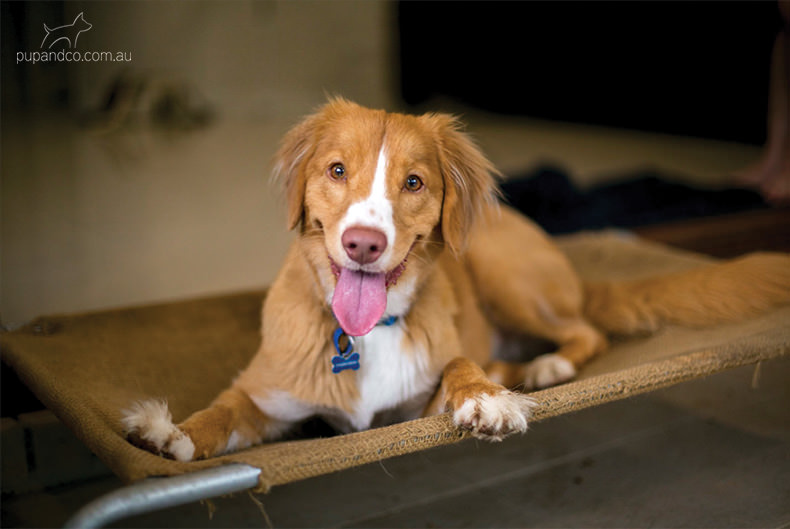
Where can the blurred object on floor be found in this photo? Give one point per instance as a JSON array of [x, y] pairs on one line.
[[134, 98], [717, 222], [549, 197]]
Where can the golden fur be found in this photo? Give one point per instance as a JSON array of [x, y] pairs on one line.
[[465, 270]]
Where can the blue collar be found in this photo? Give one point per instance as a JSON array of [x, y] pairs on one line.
[[346, 358], [388, 321]]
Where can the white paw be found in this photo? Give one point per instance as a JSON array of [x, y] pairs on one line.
[[548, 370], [149, 425], [494, 417]]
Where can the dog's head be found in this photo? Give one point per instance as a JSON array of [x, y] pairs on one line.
[[377, 196]]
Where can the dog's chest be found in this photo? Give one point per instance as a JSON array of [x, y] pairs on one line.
[[395, 379]]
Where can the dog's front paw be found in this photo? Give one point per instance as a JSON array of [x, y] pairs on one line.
[[493, 417], [149, 425], [548, 370]]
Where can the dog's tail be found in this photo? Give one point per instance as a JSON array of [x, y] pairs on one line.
[[702, 296]]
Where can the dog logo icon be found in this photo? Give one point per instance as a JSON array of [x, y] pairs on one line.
[[69, 32]]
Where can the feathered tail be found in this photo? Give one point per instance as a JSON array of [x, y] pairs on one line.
[[707, 295]]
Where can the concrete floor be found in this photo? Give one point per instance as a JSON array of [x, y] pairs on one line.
[[677, 458], [91, 222]]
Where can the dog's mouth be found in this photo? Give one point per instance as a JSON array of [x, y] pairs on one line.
[[360, 298]]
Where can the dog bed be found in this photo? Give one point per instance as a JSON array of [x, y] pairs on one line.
[[86, 368]]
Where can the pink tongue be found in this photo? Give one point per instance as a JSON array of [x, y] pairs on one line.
[[359, 301]]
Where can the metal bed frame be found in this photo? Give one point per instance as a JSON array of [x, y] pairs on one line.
[[160, 493]]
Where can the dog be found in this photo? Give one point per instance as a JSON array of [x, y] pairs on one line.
[[70, 32], [406, 273]]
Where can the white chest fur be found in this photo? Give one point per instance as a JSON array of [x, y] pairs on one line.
[[390, 376], [394, 383]]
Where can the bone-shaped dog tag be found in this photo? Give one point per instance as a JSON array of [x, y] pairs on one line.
[[341, 363], [345, 358]]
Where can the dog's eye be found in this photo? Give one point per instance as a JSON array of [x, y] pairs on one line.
[[413, 183], [337, 172]]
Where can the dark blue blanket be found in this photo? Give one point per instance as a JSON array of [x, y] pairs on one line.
[[549, 197]]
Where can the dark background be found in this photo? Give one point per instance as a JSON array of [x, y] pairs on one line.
[[690, 68]]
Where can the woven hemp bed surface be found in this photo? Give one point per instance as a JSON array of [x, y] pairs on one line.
[[86, 368]]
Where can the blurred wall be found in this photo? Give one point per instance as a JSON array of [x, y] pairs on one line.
[[104, 207], [248, 57]]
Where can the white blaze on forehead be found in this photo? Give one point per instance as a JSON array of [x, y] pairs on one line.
[[374, 211]]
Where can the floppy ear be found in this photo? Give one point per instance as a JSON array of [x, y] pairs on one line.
[[469, 180], [289, 166]]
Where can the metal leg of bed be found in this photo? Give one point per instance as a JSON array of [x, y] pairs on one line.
[[160, 493]]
